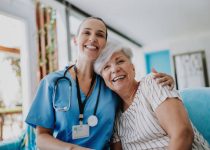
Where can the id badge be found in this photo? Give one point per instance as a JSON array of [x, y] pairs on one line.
[[80, 131]]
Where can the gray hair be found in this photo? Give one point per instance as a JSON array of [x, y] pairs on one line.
[[107, 53]]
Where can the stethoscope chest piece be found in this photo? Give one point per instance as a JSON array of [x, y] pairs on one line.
[[92, 121]]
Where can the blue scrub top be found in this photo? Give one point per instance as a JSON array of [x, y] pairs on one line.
[[43, 114]]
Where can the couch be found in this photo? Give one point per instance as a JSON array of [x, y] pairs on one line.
[[197, 103], [26, 141]]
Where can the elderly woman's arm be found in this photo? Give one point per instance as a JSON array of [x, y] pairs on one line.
[[174, 120]]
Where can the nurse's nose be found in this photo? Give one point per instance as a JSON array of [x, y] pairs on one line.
[[92, 38]]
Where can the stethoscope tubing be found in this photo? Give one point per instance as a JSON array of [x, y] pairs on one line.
[[65, 108]]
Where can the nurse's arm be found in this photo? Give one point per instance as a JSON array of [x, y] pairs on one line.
[[46, 141], [116, 146]]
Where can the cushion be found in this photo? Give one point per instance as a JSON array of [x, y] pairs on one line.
[[197, 103]]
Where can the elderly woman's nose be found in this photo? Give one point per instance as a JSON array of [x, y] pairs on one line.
[[114, 68]]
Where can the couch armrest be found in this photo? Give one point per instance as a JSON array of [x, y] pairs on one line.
[[11, 144], [197, 103]]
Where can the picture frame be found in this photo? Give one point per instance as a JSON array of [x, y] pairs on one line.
[[190, 69]]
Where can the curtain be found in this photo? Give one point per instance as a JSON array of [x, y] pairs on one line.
[[47, 39]]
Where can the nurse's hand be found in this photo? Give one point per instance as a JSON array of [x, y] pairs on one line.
[[163, 79], [46, 141]]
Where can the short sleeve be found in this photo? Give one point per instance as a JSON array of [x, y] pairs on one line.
[[156, 93], [41, 112]]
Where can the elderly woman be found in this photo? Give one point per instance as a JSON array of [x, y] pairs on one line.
[[151, 116]]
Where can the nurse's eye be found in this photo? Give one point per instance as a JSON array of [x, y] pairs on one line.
[[100, 35], [86, 32]]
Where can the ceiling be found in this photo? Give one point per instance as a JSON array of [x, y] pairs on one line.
[[151, 21]]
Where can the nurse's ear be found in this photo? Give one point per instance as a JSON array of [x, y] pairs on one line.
[[75, 40]]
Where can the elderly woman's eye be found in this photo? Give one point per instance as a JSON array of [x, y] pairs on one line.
[[106, 67], [120, 61]]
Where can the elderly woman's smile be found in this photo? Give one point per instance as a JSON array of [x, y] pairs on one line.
[[121, 77]]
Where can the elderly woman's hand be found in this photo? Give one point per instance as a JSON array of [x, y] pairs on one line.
[[163, 79]]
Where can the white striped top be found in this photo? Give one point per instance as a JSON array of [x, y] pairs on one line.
[[138, 127]]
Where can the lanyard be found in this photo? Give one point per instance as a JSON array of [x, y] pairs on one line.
[[82, 104]]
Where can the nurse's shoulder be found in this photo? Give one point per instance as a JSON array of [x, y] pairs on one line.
[[52, 77]]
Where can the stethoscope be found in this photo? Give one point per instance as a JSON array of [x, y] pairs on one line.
[[92, 119], [58, 80]]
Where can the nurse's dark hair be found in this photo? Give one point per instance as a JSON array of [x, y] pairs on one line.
[[96, 18]]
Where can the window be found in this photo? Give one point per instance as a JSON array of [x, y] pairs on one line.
[[11, 99]]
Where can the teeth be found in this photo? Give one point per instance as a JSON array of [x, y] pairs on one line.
[[90, 47], [118, 78]]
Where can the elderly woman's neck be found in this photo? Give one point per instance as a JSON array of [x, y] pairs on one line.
[[128, 94]]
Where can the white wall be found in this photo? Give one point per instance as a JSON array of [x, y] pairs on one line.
[[139, 62], [185, 44]]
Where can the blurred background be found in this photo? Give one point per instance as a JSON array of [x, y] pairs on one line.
[[36, 38]]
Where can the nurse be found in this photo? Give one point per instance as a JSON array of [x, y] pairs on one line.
[[73, 108]]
